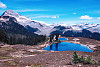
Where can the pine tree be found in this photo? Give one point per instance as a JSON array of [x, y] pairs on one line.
[[57, 36], [75, 57]]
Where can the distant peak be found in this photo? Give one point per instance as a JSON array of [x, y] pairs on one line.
[[10, 13], [9, 10]]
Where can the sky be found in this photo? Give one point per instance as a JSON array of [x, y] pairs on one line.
[[55, 11]]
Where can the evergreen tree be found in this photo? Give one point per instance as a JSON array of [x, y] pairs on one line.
[[3, 37], [57, 36], [90, 37], [51, 37], [75, 57]]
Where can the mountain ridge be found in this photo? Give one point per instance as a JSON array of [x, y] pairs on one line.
[[45, 29]]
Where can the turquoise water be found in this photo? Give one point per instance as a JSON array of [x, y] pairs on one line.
[[66, 46], [62, 39]]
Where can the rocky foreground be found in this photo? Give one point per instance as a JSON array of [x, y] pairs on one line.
[[21, 55]]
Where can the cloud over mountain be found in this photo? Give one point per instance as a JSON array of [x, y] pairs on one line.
[[74, 13], [2, 5], [55, 17], [85, 17], [98, 18]]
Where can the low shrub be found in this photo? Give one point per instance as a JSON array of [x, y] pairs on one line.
[[77, 59], [37, 65]]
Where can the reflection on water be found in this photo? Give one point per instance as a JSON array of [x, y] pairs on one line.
[[50, 47], [66, 46], [56, 46]]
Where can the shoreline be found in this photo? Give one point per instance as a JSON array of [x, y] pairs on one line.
[[28, 55], [91, 47]]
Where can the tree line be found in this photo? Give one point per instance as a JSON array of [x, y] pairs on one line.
[[84, 33], [15, 39]]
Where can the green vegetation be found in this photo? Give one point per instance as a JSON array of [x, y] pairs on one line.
[[21, 39], [46, 40], [52, 37], [77, 59], [37, 65], [3, 36], [87, 60], [90, 37], [2, 57], [28, 40], [81, 59]]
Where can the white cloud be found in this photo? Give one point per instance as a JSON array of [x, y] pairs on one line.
[[33, 16], [46, 16], [28, 10], [41, 22], [74, 13], [41, 17], [2, 5], [55, 17], [85, 17], [98, 18], [73, 22]]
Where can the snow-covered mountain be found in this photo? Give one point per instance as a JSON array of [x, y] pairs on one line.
[[43, 28], [90, 27], [23, 20], [11, 13]]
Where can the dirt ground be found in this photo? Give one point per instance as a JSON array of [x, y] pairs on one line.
[[21, 55]]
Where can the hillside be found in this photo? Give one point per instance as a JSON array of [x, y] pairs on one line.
[[42, 28], [18, 34]]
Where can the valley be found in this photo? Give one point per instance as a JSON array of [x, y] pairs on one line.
[[49, 33], [23, 41], [20, 55]]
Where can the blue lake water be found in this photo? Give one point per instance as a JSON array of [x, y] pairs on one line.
[[66, 46], [62, 39]]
